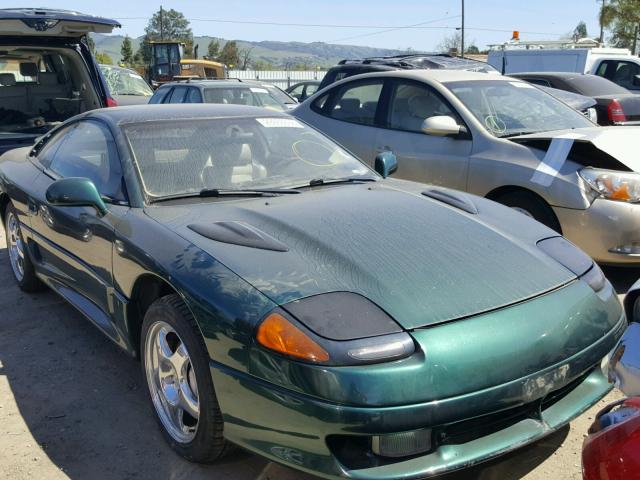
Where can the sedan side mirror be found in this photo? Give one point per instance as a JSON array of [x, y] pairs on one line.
[[386, 163], [75, 192], [441, 126]]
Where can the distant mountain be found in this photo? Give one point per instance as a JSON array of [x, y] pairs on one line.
[[279, 54]]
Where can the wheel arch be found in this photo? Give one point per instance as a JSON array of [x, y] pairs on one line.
[[4, 201], [504, 190], [147, 288]]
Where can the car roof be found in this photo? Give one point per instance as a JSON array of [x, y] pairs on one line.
[[177, 111], [562, 75], [439, 75], [211, 83]]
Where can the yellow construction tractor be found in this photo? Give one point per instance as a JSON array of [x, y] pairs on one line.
[[168, 64]]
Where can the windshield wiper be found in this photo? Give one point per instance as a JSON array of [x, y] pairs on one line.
[[266, 192], [220, 192], [333, 181]]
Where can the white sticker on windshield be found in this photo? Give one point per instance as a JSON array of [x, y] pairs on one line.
[[553, 161], [133, 75], [279, 123], [522, 84], [259, 90]]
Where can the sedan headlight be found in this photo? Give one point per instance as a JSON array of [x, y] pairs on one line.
[[337, 328], [614, 185]]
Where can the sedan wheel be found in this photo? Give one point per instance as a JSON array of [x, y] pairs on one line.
[[21, 265], [15, 246], [175, 362], [172, 382]]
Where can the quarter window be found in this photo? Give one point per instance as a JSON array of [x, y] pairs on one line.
[[160, 95], [90, 151], [194, 96], [357, 103], [412, 103], [177, 96]]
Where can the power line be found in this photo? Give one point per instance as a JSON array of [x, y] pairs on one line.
[[393, 29], [279, 24]]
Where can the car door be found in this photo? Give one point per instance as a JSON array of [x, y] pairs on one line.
[[421, 157], [75, 244], [348, 115]]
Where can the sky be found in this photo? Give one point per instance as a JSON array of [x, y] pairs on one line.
[[356, 22]]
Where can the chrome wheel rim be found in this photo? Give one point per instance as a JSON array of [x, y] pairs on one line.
[[16, 246], [172, 382]]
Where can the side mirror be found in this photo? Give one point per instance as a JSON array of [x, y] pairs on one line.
[[75, 192], [386, 163], [441, 126]]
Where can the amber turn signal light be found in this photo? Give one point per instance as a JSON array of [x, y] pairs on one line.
[[278, 334]]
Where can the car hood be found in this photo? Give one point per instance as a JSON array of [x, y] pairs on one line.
[[608, 147], [421, 260]]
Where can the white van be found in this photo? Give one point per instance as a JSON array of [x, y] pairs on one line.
[[615, 64]]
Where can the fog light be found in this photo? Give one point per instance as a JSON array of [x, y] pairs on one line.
[[633, 249], [402, 444]]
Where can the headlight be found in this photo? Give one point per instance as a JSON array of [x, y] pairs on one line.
[[574, 259], [614, 185], [336, 328]]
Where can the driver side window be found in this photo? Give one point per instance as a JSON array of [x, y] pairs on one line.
[[90, 151], [412, 103]]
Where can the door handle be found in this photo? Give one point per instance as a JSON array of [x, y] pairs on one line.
[[386, 148]]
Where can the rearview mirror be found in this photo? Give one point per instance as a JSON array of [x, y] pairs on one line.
[[441, 126], [386, 163], [75, 192]]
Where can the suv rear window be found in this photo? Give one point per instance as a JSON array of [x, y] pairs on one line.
[[41, 87]]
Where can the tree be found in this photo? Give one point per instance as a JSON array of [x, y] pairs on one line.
[[213, 49], [622, 17], [230, 55], [126, 51], [580, 31], [104, 58], [453, 42], [167, 25], [450, 42], [245, 57]]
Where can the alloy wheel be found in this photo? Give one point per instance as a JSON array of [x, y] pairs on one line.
[[172, 382], [15, 246]]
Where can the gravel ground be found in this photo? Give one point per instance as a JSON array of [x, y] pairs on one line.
[[72, 406]]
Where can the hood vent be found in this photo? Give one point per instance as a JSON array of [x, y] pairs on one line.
[[451, 199], [238, 233]]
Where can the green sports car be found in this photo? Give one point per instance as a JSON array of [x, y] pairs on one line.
[[283, 297]]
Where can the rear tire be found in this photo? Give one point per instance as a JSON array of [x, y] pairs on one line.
[[175, 365], [530, 204], [18, 254]]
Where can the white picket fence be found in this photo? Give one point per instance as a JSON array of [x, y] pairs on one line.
[[281, 78]]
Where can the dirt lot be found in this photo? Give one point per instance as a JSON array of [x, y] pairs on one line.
[[73, 407]]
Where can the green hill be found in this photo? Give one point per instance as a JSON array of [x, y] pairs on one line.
[[279, 54]]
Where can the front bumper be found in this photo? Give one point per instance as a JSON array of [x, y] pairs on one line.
[[604, 226], [296, 429]]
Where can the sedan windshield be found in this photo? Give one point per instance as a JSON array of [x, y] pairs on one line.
[[508, 108], [125, 82], [184, 158]]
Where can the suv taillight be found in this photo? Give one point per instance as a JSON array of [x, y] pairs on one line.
[[616, 112], [111, 102]]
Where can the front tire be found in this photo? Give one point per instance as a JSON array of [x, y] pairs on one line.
[[175, 365], [21, 265], [530, 204]]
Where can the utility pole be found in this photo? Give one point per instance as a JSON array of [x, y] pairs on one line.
[[462, 32], [601, 23], [161, 24]]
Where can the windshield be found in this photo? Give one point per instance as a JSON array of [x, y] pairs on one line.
[[507, 108], [281, 96], [252, 96], [177, 158], [125, 82]]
